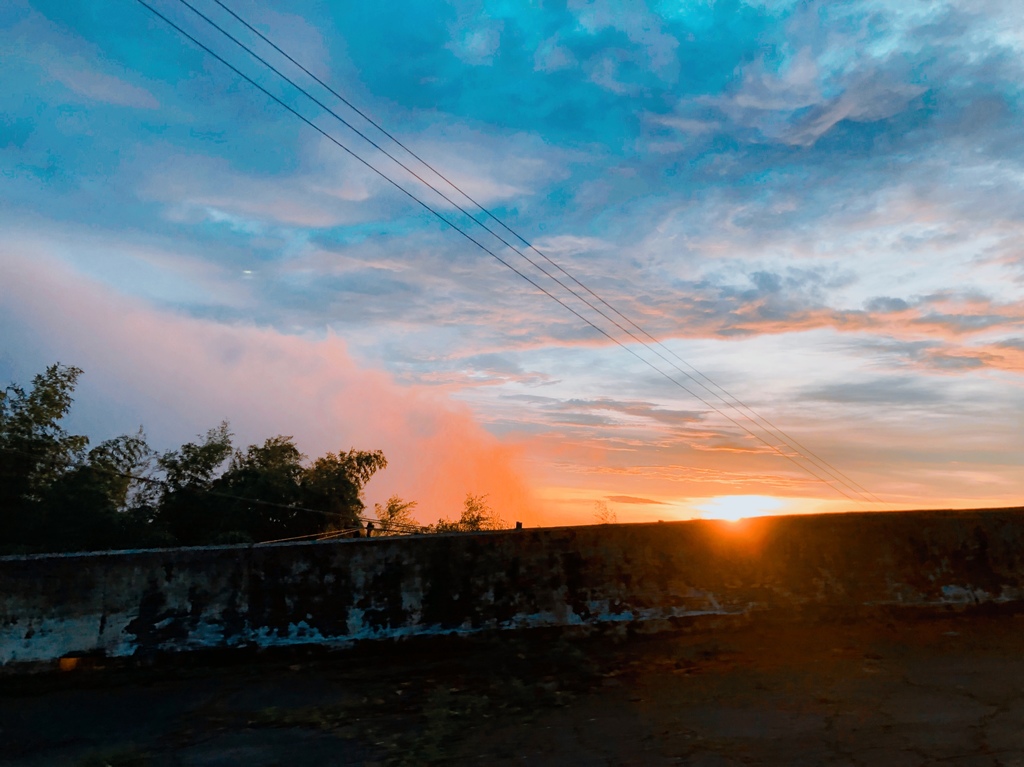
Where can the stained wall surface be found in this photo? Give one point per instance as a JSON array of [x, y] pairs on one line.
[[139, 603]]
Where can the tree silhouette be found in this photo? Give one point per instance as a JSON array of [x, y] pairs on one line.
[[603, 514], [56, 495], [187, 511], [35, 451], [395, 516], [476, 515]]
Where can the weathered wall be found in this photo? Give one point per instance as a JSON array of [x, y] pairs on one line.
[[143, 602]]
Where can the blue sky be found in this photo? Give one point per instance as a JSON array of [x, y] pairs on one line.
[[818, 205]]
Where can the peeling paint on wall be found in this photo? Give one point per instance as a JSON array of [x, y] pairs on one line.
[[135, 603]]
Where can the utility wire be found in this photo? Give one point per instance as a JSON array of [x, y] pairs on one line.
[[454, 226], [750, 415], [313, 536], [476, 242], [739, 405]]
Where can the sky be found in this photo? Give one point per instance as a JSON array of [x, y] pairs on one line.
[[819, 206]]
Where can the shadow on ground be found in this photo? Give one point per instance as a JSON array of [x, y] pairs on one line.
[[944, 691]]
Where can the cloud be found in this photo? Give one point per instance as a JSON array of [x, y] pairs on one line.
[[563, 245], [492, 167], [819, 204], [477, 46], [551, 56], [800, 102], [884, 304], [186, 374], [290, 32], [200, 188], [953, 358], [74, 63], [643, 29], [158, 272], [77, 76], [890, 392], [330, 190], [634, 499], [610, 423], [868, 100]]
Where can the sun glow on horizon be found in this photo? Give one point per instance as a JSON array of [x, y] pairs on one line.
[[733, 508]]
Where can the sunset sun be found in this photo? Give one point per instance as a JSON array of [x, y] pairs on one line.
[[733, 508]]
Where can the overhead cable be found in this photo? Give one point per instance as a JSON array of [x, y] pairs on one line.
[[735, 402], [465, 234]]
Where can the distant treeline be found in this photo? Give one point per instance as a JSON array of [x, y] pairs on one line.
[[58, 494]]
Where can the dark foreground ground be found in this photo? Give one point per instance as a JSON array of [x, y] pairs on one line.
[[938, 692]]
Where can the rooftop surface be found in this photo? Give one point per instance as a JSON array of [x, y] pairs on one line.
[[925, 691]]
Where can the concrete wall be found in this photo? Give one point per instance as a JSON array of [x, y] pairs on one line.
[[145, 602]]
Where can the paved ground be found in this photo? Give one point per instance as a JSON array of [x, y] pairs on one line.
[[925, 692]]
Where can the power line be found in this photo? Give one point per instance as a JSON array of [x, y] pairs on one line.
[[409, 194], [313, 536], [754, 416], [465, 235]]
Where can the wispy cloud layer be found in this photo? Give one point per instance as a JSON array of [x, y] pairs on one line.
[[818, 204]]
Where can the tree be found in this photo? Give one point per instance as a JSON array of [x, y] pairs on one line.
[[195, 464], [267, 491], [95, 504], [603, 514], [123, 465], [186, 512], [56, 495], [35, 450], [264, 485], [334, 484], [476, 515], [395, 517]]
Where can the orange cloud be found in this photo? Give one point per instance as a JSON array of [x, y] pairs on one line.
[[184, 375]]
